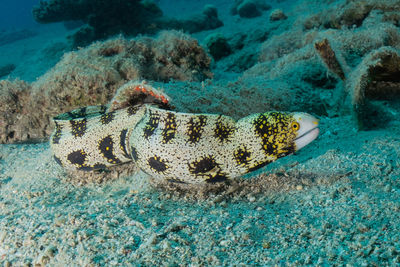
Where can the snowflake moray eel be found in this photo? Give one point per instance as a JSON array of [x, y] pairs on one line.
[[181, 147]]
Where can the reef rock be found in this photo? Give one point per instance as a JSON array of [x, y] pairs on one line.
[[249, 8], [107, 18], [206, 20], [377, 78]]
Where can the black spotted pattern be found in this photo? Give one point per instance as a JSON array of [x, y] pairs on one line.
[[122, 143], [157, 164], [195, 128], [274, 125], [132, 110], [134, 153], [78, 127], [86, 168], [170, 128], [218, 177], [242, 156], [107, 118], [275, 136], [106, 147], [57, 134], [78, 158], [152, 124], [103, 109], [222, 131], [204, 165], [208, 169], [99, 166]]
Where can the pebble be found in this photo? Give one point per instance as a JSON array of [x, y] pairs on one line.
[[50, 251], [387, 188], [153, 239], [299, 187], [266, 244], [166, 245], [224, 243], [251, 198], [2, 235]]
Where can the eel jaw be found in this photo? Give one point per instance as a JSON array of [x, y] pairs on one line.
[[308, 129]]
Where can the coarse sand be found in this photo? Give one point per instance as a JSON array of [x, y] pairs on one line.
[[334, 203]]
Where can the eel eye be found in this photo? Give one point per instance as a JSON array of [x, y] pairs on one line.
[[295, 126]]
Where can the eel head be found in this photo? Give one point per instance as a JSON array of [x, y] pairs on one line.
[[307, 129]]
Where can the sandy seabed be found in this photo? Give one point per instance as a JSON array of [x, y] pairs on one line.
[[336, 202]]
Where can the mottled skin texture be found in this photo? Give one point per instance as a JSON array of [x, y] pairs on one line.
[[181, 147], [91, 139], [198, 148]]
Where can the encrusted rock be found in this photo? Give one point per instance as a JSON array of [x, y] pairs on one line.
[[377, 77], [249, 8], [277, 14]]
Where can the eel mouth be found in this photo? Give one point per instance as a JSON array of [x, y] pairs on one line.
[[306, 138]]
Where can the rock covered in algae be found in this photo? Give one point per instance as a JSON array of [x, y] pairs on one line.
[[107, 18], [292, 56], [92, 75], [376, 78], [352, 13], [16, 124]]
